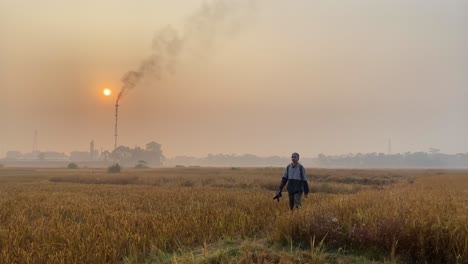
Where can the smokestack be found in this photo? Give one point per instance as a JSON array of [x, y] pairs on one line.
[[116, 119], [212, 20], [91, 150]]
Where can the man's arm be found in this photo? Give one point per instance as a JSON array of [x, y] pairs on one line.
[[283, 183], [305, 184], [280, 189], [284, 180]]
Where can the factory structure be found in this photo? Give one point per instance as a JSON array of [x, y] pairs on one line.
[[93, 157]]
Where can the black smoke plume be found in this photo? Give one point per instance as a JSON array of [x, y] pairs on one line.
[[214, 20]]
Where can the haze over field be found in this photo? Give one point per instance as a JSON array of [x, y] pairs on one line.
[[263, 77]]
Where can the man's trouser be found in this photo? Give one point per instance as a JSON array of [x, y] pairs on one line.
[[295, 200]]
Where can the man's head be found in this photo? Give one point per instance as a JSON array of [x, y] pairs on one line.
[[295, 157]]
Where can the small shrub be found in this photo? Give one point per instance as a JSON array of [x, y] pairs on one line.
[[72, 166], [1, 166], [114, 168], [141, 166]]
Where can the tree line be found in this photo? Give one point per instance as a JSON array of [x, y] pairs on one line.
[[359, 160]]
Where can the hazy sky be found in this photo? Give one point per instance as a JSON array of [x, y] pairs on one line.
[[308, 76]]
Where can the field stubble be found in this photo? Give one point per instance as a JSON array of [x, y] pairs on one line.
[[166, 215]]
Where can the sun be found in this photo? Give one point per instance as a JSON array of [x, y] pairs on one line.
[[107, 92]]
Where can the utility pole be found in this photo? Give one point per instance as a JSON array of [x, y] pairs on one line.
[[116, 119]]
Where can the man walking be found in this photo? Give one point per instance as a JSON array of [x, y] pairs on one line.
[[295, 174]]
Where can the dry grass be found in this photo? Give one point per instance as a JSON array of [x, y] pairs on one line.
[[425, 221], [166, 215], [324, 180], [91, 224], [241, 252]]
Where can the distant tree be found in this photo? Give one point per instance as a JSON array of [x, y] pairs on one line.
[[122, 154], [139, 154], [153, 147], [323, 160], [106, 155], [114, 168], [41, 156], [152, 154], [141, 165], [72, 166]]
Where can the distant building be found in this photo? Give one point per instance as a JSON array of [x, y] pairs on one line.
[[32, 155], [14, 154], [79, 156], [53, 155]]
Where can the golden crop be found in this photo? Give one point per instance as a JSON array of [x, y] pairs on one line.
[[169, 215]]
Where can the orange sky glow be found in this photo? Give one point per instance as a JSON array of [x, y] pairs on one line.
[[274, 78]]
